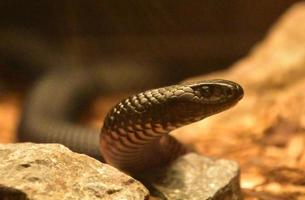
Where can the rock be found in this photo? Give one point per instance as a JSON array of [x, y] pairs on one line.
[[51, 171], [197, 177]]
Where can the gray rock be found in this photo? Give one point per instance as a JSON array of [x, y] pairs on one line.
[[195, 177], [51, 171]]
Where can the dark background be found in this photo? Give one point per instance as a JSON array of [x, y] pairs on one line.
[[182, 37]]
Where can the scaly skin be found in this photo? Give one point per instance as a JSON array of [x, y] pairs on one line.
[[135, 136]]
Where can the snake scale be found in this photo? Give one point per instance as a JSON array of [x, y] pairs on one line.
[[134, 136]]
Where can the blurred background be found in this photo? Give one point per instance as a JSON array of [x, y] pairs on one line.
[[141, 44], [177, 39], [150, 43]]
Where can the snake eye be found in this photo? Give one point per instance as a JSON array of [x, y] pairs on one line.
[[206, 91]]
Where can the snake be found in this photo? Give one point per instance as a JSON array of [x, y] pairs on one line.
[[135, 134]]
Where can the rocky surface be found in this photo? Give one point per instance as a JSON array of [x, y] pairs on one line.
[[51, 171], [194, 177]]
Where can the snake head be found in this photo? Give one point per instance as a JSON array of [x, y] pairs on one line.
[[194, 101], [217, 92]]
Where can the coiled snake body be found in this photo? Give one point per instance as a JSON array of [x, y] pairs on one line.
[[134, 136]]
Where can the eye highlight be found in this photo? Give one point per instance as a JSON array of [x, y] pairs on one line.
[[206, 91]]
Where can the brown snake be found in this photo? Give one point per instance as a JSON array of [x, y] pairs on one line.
[[135, 132], [134, 136]]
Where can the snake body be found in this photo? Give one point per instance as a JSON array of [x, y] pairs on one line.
[[135, 132], [50, 109], [134, 136]]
